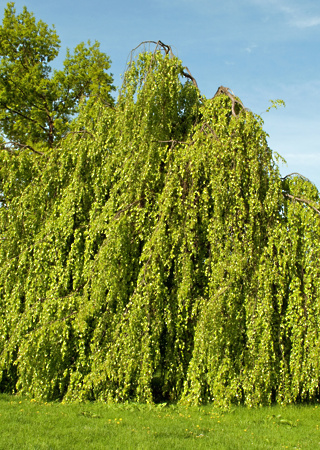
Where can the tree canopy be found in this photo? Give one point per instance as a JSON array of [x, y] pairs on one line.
[[37, 103], [158, 255]]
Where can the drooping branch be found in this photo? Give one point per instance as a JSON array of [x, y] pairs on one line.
[[188, 75], [296, 174], [167, 50], [302, 200], [226, 91]]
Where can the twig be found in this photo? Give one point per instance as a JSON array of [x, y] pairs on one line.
[[174, 142], [78, 132], [120, 211], [206, 125]]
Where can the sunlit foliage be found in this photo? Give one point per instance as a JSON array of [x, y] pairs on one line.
[[156, 254]]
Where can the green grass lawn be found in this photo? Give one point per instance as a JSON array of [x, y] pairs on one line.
[[26, 424]]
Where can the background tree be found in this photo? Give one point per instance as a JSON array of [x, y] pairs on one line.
[[36, 103]]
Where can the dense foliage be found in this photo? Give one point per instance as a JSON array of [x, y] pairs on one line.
[[156, 254]]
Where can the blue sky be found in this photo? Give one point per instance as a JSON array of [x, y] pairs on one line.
[[260, 49]]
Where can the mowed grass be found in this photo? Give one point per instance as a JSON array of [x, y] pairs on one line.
[[26, 424]]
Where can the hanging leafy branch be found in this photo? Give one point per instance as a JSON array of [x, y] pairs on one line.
[[156, 254], [287, 194]]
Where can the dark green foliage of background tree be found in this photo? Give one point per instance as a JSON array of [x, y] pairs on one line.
[[158, 255], [37, 105]]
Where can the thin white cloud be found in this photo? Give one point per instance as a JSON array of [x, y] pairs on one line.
[[298, 18], [250, 48], [297, 15], [307, 22]]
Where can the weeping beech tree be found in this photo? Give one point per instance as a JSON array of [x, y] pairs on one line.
[[156, 254]]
